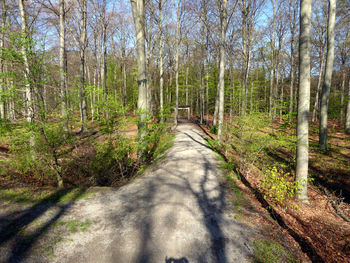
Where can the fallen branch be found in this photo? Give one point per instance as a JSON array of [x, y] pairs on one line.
[[335, 204]]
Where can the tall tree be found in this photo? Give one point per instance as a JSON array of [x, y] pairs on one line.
[[347, 117], [82, 45], [161, 69], [323, 138], [223, 27], [303, 100], [138, 12], [24, 50], [179, 11], [2, 64], [63, 69], [293, 6]]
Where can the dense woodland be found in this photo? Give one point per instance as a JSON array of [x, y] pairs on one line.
[[78, 76]]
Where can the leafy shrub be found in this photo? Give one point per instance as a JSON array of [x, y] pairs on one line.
[[277, 186], [214, 129], [267, 251], [112, 161], [34, 151]]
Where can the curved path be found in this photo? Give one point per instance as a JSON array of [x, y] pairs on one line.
[[176, 212]]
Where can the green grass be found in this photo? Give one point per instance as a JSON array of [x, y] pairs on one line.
[[268, 251], [74, 225], [27, 195]]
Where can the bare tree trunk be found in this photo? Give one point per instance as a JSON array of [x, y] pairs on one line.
[[320, 76], [161, 77], [328, 76], [292, 31], [139, 20], [223, 27], [2, 64], [124, 67], [347, 118], [28, 88], [342, 91], [63, 72], [303, 101], [272, 70], [82, 96], [177, 47], [216, 109]]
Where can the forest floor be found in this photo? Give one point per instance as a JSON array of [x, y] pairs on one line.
[[317, 228], [181, 210]]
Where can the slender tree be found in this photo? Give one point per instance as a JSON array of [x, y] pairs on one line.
[[82, 45], [292, 18], [2, 64], [303, 100], [161, 69], [24, 51], [177, 54], [347, 117], [223, 27], [323, 138], [63, 69], [139, 20]]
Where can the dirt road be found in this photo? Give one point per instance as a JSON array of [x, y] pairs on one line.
[[176, 212]]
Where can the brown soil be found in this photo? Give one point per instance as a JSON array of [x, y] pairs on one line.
[[319, 232]]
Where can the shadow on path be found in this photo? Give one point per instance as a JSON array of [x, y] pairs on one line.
[[13, 231]]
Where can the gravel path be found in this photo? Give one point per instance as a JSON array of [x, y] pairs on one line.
[[176, 212]]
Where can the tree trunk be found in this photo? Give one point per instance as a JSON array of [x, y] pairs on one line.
[[342, 91], [125, 101], [223, 27], [177, 50], [161, 77], [320, 76], [327, 76], [2, 64], [82, 96], [28, 88], [347, 118], [139, 20], [272, 70], [63, 72], [292, 31], [303, 101]]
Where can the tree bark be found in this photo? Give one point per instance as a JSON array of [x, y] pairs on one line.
[[223, 27], [292, 31], [177, 50], [82, 40], [347, 118], [161, 69], [320, 76], [272, 70], [342, 91], [303, 101], [63, 72], [2, 64], [323, 140], [28, 88], [139, 20]]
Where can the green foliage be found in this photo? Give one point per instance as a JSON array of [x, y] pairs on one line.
[[278, 186], [268, 251], [112, 161], [214, 129], [250, 136], [34, 149]]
